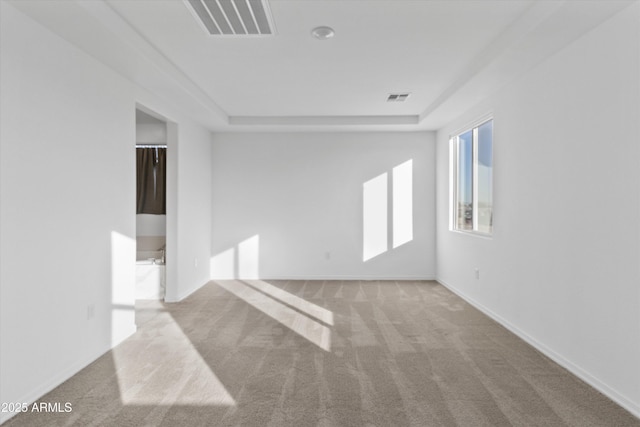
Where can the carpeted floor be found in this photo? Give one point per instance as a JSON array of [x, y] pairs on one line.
[[324, 353]]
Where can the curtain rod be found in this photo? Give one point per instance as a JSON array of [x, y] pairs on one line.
[[151, 145]]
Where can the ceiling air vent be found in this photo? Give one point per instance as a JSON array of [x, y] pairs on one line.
[[233, 17], [397, 97]]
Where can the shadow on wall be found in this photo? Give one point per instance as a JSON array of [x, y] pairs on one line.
[[240, 261], [383, 222], [387, 223], [123, 273]]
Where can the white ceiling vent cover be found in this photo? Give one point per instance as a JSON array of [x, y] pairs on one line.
[[233, 17], [398, 97]]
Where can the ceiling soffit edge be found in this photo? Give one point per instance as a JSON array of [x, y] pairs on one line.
[[528, 20], [122, 29], [323, 120]]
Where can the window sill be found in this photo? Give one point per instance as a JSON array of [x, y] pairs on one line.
[[478, 234]]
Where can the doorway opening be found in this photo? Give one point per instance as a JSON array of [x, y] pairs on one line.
[[151, 207]]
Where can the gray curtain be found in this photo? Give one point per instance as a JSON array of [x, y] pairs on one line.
[[151, 165]]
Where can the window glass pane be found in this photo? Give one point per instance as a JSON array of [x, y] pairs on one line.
[[465, 182], [484, 176]]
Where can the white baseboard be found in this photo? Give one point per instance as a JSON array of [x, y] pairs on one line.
[[58, 379], [183, 295], [330, 277], [180, 297], [576, 370]]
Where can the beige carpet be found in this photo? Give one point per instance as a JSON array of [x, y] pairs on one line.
[[324, 353]]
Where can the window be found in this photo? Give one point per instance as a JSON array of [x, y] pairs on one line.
[[472, 179]]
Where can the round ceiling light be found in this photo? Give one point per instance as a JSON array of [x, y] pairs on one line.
[[323, 33]]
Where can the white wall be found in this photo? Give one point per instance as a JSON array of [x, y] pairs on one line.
[[302, 195], [188, 235], [151, 225], [562, 267], [151, 133], [68, 193], [67, 277]]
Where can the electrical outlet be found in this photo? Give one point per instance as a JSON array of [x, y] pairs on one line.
[[91, 311], [195, 262], [477, 271], [327, 255]]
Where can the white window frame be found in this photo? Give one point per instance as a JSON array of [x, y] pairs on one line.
[[454, 162]]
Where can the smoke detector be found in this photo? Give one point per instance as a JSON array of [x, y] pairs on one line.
[[322, 33], [233, 17]]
